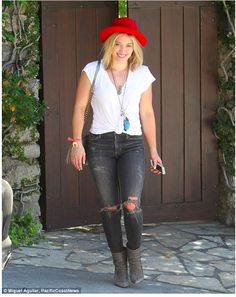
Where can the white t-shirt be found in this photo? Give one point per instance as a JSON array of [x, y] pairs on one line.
[[106, 105]]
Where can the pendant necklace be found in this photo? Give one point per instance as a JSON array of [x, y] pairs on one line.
[[119, 88], [126, 123]]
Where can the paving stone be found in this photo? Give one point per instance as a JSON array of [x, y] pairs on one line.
[[143, 248], [160, 230], [162, 288], [16, 256], [222, 252], [230, 242], [198, 245], [228, 279], [147, 277], [224, 266], [157, 247], [49, 245], [192, 281], [162, 263], [150, 271], [58, 234], [199, 269], [189, 223], [83, 244], [191, 229], [100, 268], [173, 242], [67, 234], [47, 258], [171, 254], [231, 290], [74, 243], [216, 239], [220, 230], [102, 237], [168, 231], [204, 230], [230, 261], [32, 252], [145, 239], [171, 237], [85, 257], [147, 235], [199, 256]]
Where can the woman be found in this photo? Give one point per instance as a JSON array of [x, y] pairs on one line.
[[122, 109]]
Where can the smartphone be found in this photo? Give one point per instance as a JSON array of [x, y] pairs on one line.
[[159, 167]]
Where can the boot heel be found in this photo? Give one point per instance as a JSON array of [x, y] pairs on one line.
[[135, 265], [121, 272]]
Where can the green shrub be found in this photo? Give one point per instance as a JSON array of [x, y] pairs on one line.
[[224, 122], [224, 129], [122, 8], [25, 229], [20, 108]]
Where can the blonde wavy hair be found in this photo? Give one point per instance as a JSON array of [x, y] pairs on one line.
[[134, 61]]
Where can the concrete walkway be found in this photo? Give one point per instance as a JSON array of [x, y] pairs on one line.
[[183, 257]]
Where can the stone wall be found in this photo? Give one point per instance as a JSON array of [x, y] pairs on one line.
[[24, 177], [20, 55], [226, 206], [224, 127]]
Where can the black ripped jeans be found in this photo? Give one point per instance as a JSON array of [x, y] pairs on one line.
[[117, 165]]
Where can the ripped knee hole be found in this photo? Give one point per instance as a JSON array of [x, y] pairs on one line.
[[131, 204], [113, 208]]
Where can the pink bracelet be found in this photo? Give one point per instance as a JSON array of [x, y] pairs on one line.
[[73, 139]]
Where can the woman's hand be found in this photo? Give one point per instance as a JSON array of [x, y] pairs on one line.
[[78, 156], [149, 127], [155, 159]]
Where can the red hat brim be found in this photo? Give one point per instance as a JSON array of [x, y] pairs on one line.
[[107, 32]]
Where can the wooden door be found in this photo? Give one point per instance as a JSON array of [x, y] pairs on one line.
[[70, 39], [182, 54]]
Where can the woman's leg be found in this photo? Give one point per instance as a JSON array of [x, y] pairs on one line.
[[131, 177], [103, 165], [104, 170]]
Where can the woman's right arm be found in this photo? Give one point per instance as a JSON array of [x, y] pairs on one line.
[[78, 156]]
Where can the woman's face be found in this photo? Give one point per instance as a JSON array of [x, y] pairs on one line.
[[123, 48]]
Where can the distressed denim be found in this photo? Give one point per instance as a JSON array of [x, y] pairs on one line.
[[117, 165]]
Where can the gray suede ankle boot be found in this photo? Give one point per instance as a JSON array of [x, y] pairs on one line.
[[135, 265], [121, 272]]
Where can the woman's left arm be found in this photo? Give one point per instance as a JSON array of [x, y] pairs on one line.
[[149, 125]]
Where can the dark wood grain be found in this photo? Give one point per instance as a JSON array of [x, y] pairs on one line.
[[192, 105], [172, 103], [182, 54], [69, 41]]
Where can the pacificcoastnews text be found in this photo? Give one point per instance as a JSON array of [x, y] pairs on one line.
[[41, 290]]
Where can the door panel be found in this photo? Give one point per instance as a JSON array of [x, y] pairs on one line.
[[182, 54], [69, 41]]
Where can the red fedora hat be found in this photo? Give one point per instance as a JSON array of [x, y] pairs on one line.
[[123, 25]]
